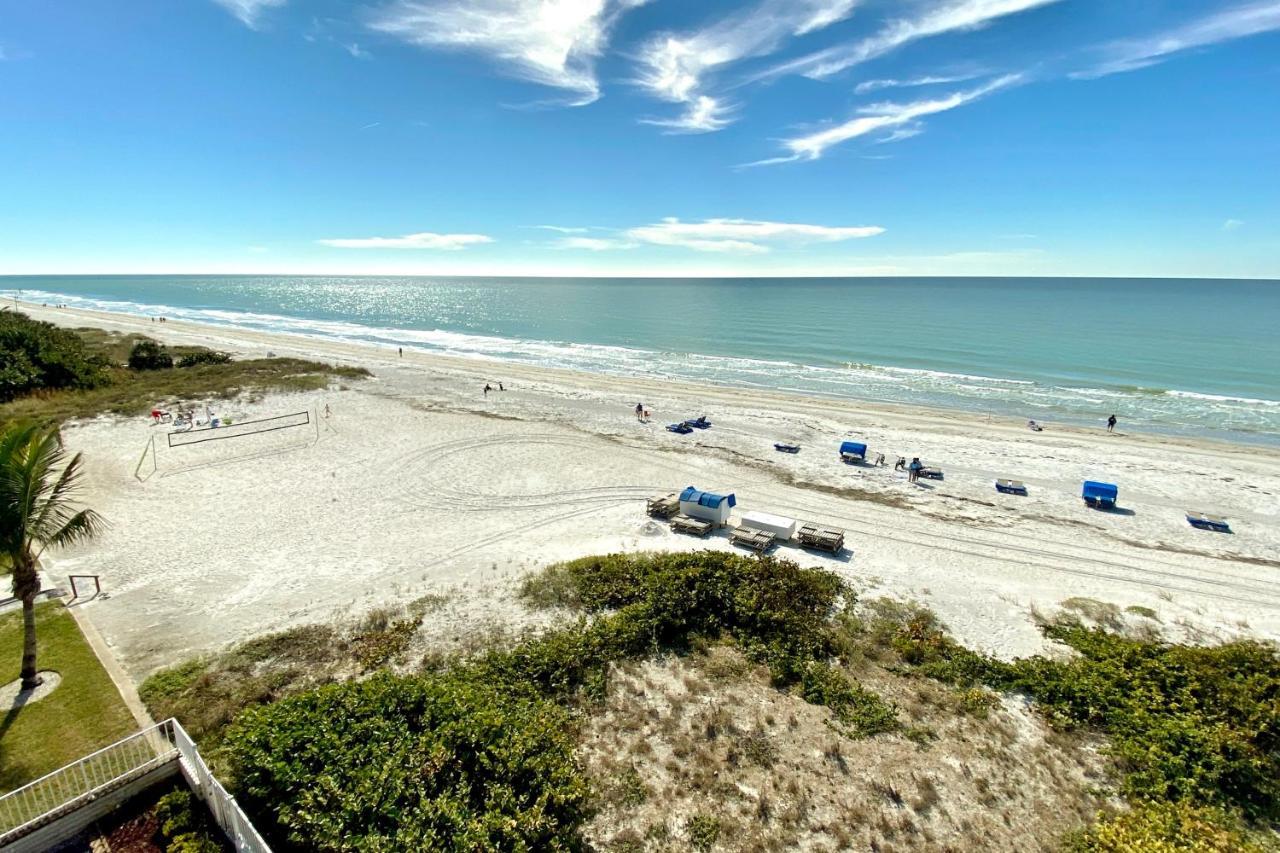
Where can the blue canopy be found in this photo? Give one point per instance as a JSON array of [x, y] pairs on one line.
[[706, 499], [853, 447], [1099, 491]]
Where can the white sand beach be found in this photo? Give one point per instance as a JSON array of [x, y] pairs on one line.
[[418, 483]]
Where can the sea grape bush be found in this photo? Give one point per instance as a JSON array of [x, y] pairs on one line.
[[410, 763], [38, 356]]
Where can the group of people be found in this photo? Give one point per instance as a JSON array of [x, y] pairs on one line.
[[913, 469], [488, 388]]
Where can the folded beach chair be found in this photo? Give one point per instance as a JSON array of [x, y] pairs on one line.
[[786, 448], [1203, 521], [683, 428], [1011, 487]]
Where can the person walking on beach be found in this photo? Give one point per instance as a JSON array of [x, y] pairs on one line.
[[500, 388], [1111, 424], [401, 351], [487, 389], [913, 470], [639, 412]]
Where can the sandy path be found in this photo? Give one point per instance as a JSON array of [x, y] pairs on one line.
[[418, 483]]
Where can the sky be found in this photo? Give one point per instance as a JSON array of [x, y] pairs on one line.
[[641, 137]]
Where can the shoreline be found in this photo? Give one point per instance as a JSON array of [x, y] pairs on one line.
[[420, 484], [256, 342]]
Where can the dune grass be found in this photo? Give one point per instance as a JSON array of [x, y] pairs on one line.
[[84, 713], [135, 392]]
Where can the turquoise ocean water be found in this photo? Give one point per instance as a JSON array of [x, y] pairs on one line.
[[1178, 356]]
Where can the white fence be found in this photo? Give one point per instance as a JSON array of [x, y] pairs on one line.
[[89, 780]]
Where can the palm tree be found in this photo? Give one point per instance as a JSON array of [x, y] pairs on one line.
[[37, 509]]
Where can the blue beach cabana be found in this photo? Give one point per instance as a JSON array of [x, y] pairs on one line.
[[1099, 495], [706, 505], [853, 451]]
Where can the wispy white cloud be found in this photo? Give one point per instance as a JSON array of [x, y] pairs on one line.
[[1232, 224], [885, 116], [934, 19], [424, 240], [901, 133], [594, 244], [876, 85], [249, 11], [552, 42], [1238, 22], [561, 229], [371, 125], [745, 236], [356, 51], [675, 67]]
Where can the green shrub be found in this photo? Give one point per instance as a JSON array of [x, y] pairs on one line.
[[192, 359], [704, 831], [1186, 723], [1168, 828], [185, 825], [149, 355], [36, 356], [419, 763]]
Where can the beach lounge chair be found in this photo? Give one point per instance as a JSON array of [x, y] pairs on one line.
[[786, 448], [749, 537], [853, 452], [663, 506], [1011, 487], [1099, 495], [682, 523], [812, 535], [930, 473], [1204, 521], [682, 428], [700, 422]]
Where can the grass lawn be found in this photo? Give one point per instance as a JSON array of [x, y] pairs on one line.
[[83, 714]]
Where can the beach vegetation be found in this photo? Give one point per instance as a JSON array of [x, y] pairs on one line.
[[38, 356], [407, 763], [147, 354], [1170, 827], [1192, 726], [38, 509], [134, 374], [82, 714]]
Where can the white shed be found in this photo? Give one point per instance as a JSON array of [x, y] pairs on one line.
[[707, 506]]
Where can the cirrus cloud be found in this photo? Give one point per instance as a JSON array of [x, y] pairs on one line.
[[248, 11], [551, 42], [422, 240]]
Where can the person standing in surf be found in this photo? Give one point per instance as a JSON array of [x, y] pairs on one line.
[[1111, 424]]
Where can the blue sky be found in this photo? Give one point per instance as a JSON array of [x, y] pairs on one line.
[[775, 137]]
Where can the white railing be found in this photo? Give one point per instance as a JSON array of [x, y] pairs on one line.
[[68, 788], [224, 808], [82, 781]]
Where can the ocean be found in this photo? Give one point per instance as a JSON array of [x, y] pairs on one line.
[[1179, 356]]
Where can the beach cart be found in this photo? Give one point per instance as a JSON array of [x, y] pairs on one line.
[[1099, 495], [853, 452]]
